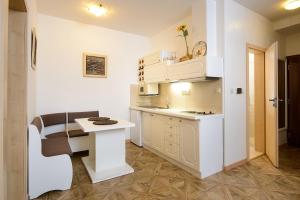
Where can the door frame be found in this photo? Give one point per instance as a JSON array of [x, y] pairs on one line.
[[287, 92], [248, 47], [3, 91]]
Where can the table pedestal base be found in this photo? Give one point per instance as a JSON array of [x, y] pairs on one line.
[[103, 175]]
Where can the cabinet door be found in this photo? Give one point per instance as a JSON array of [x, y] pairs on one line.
[[191, 69], [158, 127], [189, 145], [147, 123], [155, 73]]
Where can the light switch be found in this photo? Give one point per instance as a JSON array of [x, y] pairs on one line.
[[239, 91]]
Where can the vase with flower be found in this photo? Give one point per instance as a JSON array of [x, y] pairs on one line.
[[182, 29]]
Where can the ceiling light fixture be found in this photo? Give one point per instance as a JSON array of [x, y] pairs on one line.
[[292, 4], [97, 10]]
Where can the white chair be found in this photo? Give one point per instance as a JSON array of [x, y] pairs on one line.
[[46, 173]]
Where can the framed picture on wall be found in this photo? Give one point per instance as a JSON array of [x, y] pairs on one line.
[[33, 48], [94, 65]]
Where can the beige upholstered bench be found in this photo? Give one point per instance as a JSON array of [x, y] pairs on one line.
[[49, 163]]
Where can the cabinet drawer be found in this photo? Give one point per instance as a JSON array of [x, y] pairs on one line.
[[172, 149], [172, 137]]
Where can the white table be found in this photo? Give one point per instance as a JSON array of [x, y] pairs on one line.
[[106, 158]]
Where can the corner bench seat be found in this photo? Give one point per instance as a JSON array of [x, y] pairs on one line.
[[63, 125], [55, 147], [72, 134]]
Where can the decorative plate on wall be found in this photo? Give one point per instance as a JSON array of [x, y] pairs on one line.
[[200, 49]]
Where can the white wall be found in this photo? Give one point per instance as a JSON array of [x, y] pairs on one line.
[[168, 39], [242, 26], [292, 44], [60, 84], [31, 74]]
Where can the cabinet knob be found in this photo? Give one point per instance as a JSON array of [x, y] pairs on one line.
[[171, 127], [180, 120], [170, 118]]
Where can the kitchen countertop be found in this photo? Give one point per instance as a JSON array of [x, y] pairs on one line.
[[176, 113]]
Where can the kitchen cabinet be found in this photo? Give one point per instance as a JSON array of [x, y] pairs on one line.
[[189, 137], [153, 128], [171, 138], [155, 73], [199, 68], [157, 131], [188, 70], [147, 126], [195, 144]]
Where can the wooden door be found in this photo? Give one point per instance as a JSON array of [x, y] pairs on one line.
[[189, 149], [147, 124], [293, 100], [271, 92]]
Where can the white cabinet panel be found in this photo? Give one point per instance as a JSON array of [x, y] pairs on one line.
[[155, 73], [189, 145], [158, 127], [172, 138], [208, 66], [147, 124], [190, 70]]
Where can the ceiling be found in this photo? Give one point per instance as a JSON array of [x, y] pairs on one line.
[[142, 17], [272, 9]]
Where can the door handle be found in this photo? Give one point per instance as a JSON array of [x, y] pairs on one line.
[[274, 100]]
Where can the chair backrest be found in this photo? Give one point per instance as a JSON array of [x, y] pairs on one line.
[[75, 115], [54, 119], [37, 122]]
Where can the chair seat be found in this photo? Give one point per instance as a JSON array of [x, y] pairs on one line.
[[56, 146], [77, 133], [56, 135]]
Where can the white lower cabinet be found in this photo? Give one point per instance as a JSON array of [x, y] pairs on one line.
[[153, 131], [146, 128], [188, 142], [189, 137], [171, 139]]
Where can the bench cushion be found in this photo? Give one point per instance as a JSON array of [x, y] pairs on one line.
[[54, 119], [77, 133], [76, 115], [56, 135], [38, 123], [72, 134], [56, 146]]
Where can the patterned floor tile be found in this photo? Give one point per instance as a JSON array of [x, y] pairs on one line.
[[157, 179]]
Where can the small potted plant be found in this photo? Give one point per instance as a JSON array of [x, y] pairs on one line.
[[183, 32]]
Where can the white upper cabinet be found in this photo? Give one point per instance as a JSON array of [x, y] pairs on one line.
[[155, 73], [199, 68], [196, 69]]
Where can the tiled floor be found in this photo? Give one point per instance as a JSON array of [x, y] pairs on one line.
[[155, 178]]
